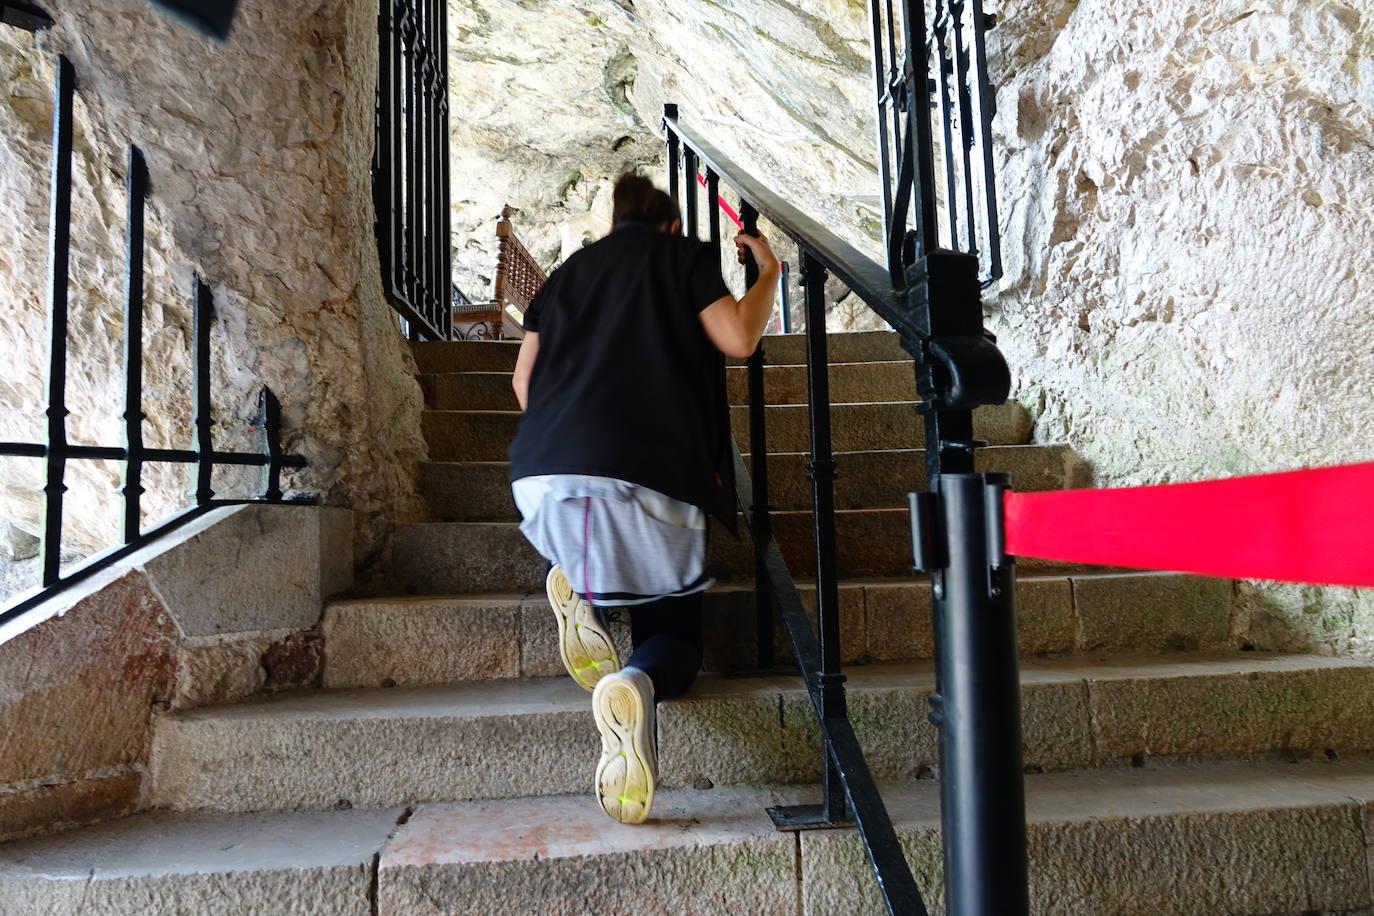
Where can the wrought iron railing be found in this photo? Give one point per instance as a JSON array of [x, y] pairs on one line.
[[410, 171], [931, 296], [935, 132], [57, 451]]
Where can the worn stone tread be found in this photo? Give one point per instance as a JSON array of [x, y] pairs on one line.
[[494, 739], [377, 642], [306, 862], [448, 558], [1222, 837], [473, 491]]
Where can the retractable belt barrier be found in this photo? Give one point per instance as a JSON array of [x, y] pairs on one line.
[[1313, 526]]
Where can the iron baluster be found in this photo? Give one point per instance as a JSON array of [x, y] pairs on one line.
[[880, 79], [986, 103], [966, 133], [785, 297], [59, 259], [269, 441], [674, 161], [943, 66], [136, 181], [821, 470], [761, 522], [917, 77], [410, 251], [689, 179], [204, 309]]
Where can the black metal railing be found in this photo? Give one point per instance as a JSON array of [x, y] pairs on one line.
[[935, 133], [931, 296], [57, 450], [410, 169], [850, 794]]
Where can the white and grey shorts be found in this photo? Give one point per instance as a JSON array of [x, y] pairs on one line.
[[618, 543]]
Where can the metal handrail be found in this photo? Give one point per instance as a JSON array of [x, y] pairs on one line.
[[864, 276]]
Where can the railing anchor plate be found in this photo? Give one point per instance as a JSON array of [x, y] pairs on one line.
[[791, 818]]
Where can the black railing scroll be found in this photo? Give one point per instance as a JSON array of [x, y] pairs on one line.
[[57, 451]]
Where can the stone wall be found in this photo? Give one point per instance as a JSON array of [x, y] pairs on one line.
[[224, 608], [259, 153]]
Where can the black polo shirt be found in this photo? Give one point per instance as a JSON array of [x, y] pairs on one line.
[[627, 384]]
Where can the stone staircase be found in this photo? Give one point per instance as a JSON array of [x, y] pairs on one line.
[[446, 765]]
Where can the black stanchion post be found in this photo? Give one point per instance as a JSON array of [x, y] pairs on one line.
[[983, 809]]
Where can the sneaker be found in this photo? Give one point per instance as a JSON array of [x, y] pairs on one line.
[[623, 704], [583, 641]]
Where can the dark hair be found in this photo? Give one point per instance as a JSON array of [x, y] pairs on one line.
[[636, 199]]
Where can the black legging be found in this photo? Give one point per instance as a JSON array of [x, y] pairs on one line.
[[667, 643]]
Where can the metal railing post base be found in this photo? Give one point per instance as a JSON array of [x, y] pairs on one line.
[[792, 818]]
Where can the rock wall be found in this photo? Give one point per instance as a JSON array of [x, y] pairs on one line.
[[259, 153], [1187, 208]]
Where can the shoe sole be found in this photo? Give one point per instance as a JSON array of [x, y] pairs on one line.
[[626, 773], [587, 650]]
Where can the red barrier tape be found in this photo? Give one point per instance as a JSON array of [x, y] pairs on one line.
[[1314, 526], [729, 210]]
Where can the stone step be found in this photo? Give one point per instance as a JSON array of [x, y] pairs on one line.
[[303, 862], [454, 558], [500, 739], [484, 435], [875, 427], [849, 383], [479, 491], [1224, 837], [469, 391], [435, 357], [439, 356], [383, 642], [841, 347]]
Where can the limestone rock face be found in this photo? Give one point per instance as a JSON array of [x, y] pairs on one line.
[[259, 153], [541, 119]]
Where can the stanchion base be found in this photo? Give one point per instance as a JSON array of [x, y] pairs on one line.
[[791, 818]]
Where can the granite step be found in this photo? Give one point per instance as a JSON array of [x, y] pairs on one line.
[[1225, 837], [484, 435], [501, 739], [875, 426], [849, 383], [383, 642], [454, 558], [841, 347], [435, 357], [438, 356], [479, 491]]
